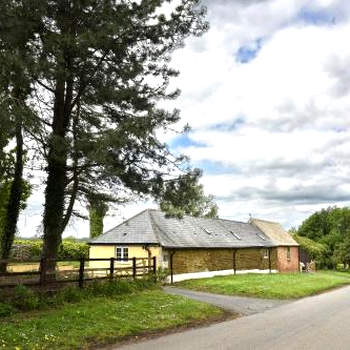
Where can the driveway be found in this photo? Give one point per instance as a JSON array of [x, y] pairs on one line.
[[241, 305], [320, 322]]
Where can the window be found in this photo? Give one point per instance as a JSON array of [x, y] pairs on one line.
[[122, 253], [261, 236], [207, 231], [236, 235], [288, 253], [266, 253], [165, 263]]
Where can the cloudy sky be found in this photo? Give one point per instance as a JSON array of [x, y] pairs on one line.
[[267, 93]]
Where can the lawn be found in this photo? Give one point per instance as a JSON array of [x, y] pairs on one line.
[[276, 286], [102, 320]]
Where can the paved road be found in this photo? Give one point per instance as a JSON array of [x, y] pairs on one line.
[[321, 322], [242, 305]]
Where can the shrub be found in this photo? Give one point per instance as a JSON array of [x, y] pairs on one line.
[[25, 298], [111, 288], [162, 275], [6, 309], [31, 249], [73, 250], [70, 295]]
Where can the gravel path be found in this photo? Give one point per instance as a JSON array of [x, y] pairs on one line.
[[241, 305]]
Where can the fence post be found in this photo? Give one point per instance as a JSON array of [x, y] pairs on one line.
[[111, 269], [42, 271], [81, 272], [134, 267]]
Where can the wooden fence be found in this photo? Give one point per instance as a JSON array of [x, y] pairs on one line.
[[36, 272]]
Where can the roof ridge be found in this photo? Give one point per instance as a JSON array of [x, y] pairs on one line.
[[199, 217], [268, 221], [237, 221]]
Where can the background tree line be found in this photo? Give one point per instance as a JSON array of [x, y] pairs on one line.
[[325, 235]]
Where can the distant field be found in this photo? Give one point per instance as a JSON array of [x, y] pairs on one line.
[[26, 267], [276, 286]]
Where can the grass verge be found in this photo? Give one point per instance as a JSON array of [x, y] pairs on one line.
[[102, 320], [274, 286]]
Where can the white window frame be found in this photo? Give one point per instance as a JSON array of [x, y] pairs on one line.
[[122, 254]]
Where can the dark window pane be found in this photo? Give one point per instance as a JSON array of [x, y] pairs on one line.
[[119, 253], [288, 253], [126, 253]]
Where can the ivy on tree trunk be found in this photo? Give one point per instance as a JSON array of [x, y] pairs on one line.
[[14, 201], [97, 212]]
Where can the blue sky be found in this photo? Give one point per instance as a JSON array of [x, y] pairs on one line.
[[266, 93]]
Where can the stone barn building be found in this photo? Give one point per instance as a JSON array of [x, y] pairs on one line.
[[198, 247]]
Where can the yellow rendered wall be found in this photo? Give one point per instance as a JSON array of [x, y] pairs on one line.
[[108, 251]]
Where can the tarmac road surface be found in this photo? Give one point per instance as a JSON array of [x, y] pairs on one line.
[[319, 322]]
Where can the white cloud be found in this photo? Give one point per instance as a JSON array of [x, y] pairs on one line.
[[294, 99], [289, 156]]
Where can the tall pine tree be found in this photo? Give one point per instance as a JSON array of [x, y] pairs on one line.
[[99, 68]]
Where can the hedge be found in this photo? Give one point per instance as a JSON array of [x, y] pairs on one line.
[[31, 249]]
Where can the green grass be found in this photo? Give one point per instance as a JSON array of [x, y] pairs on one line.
[[276, 286], [101, 320]]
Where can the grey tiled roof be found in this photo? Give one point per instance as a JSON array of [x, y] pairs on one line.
[[137, 229], [152, 227]]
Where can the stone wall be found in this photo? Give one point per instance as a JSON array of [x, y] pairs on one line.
[[197, 260]]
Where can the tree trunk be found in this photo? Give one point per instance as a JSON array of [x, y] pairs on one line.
[[54, 208], [14, 202], [56, 180]]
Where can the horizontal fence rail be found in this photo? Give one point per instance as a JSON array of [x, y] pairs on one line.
[[46, 272]]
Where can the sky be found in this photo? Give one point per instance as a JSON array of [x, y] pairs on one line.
[[267, 93]]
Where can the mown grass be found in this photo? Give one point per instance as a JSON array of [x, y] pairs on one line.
[[101, 320], [275, 286]]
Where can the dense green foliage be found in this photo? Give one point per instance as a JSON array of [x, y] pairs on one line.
[[32, 249], [185, 196], [4, 196], [315, 250], [330, 227], [276, 286]]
